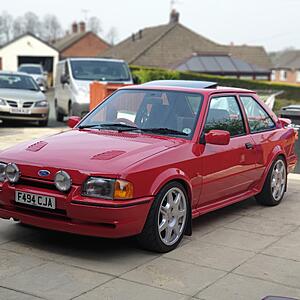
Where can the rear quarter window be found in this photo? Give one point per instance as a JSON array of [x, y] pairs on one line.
[[258, 118]]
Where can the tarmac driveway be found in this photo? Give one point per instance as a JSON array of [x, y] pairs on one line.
[[244, 251]]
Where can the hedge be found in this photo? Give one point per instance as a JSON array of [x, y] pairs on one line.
[[144, 74]]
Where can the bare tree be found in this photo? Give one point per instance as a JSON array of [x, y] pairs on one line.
[[94, 25], [6, 21], [32, 24], [51, 28], [112, 35], [18, 27]]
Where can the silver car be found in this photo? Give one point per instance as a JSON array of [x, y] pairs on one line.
[[22, 99], [37, 72], [292, 112]]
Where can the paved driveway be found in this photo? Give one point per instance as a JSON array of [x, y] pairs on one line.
[[244, 251]]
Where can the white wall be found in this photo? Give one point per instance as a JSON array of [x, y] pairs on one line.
[[26, 46]]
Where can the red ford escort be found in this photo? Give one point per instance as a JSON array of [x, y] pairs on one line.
[[147, 161]]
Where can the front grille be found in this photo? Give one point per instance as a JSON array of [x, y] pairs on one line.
[[49, 185], [31, 116], [27, 104], [12, 103]]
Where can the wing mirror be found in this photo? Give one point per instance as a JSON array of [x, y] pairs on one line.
[[73, 121], [217, 137], [64, 79]]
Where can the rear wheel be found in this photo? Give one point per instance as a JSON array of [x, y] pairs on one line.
[[167, 219], [275, 184], [59, 115]]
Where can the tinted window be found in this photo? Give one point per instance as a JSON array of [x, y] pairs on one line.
[[100, 70], [258, 118], [19, 82], [224, 114]]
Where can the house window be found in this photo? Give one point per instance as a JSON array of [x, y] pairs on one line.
[[283, 75], [273, 75], [298, 76]]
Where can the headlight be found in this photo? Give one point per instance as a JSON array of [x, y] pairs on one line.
[[63, 181], [12, 173], [107, 188], [43, 103], [39, 80], [2, 172], [2, 102]]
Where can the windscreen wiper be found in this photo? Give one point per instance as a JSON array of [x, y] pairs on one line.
[[118, 126], [156, 130]]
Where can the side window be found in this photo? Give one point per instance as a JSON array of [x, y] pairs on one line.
[[258, 118], [225, 114]]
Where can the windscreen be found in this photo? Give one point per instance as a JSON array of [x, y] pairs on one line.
[[31, 70], [152, 111], [18, 82], [110, 71]]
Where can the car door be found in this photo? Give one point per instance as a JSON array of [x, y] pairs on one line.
[[228, 170], [263, 130]]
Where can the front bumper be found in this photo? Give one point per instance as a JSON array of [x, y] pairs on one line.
[[77, 214], [36, 114]]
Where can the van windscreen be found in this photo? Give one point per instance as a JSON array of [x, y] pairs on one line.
[[100, 70]]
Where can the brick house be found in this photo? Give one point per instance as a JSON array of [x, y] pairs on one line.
[[80, 43], [175, 46], [286, 67]]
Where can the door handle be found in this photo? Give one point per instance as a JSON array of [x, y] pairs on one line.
[[249, 146]]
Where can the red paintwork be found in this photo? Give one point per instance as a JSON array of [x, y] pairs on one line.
[[214, 175], [217, 137]]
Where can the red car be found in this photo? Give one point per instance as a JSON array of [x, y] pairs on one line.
[[147, 161]]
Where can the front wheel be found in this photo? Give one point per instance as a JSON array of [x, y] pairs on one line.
[[167, 219], [275, 184]]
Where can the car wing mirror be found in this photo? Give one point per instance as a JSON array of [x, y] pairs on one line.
[[217, 137], [73, 121], [284, 122], [64, 79]]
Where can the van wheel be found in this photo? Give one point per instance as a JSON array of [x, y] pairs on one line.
[[167, 220], [275, 184], [59, 115], [70, 110]]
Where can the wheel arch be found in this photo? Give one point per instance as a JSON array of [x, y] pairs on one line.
[[176, 175], [275, 154]]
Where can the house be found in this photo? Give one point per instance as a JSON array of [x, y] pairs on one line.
[[28, 48], [286, 66], [80, 43], [173, 46]]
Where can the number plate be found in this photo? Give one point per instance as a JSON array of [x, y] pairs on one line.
[[35, 200], [24, 111]]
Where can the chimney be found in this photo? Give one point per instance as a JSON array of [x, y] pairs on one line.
[[74, 27], [174, 17], [140, 34], [82, 26], [231, 44], [133, 37]]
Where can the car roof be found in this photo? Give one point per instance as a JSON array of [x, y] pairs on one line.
[[205, 87], [14, 73], [92, 58], [30, 65]]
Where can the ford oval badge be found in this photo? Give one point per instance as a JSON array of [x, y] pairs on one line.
[[44, 173]]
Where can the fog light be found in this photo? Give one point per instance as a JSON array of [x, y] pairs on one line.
[[12, 173], [63, 181]]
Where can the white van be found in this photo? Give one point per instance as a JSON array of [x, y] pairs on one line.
[[73, 78]]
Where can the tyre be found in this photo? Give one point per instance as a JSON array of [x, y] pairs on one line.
[[167, 219], [70, 109], [59, 115], [275, 185], [43, 123]]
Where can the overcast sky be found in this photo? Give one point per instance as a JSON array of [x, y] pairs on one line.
[[274, 24]]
